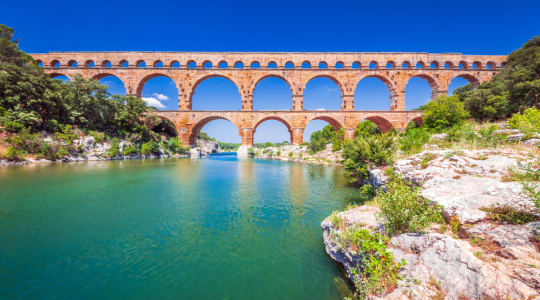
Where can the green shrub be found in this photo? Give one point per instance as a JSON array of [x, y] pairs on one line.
[[66, 134], [510, 215], [320, 138], [251, 152], [13, 126], [366, 128], [444, 112], [149, 148], [14, 154], [99, 137], [52, 126], [61, 152], [527, 122], [175, 146], [268, 145], [403, 209], [337, 139], [114, 150], [413, 139], [129, 150], [377, 273], [205, 137], [362, 154], [26, 141]]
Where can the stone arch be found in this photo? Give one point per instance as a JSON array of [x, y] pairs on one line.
[[72, 63], [156, 63], [205, 77], [289, 65], [477, 65], [418, 120], [464, 65], [207, 64], [287, 81], [106, 63], [406, 64], [174, 63], [390, 64], [140, 64], [55, 63], [449, 65], [373, 64], [330, 120], [383, 124], [420, 65], [334, 79], [140, 85], [472, 79], [434, 64], [124, 83], [389, 85], [276, 118], [56, 74], [89, 63], [430, 80], [123, 63], [491, 65], [199, 124], [223, 65], [167, 120]]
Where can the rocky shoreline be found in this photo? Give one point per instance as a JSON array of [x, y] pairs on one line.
[[301, 153], [476, 257], [90, 150]]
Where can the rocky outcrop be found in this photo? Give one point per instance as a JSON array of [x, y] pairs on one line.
[[301, 154], [439, 265], [485, 260], [464, 182], [208, 147]]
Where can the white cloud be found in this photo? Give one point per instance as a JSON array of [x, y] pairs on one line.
[[320, 109], [151, 101], [160, 97]]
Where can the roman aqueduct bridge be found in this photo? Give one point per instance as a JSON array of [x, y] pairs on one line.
[[188, 69]]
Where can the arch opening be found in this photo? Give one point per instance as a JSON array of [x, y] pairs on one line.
[[73, 63], [373, 65], [272, 93], [215, 127], [140, 64], [289, 65], [159, 91], [318, 123], [323, 65], [373, 93], [223, 65], [115, 86], [356, 65], [306, 65], [175, 64], [55, 63], [405, 65], [434, 65], [158, 64], [339, 65], [207, 65], [273, 130], [390, 65], [419, 90], [460, 81], [238, 65], [123, 63], [322, 93], [216, 92], [90, 63], [420, 65], [60, 77], [272, 65], [192, 64], [255, 65]]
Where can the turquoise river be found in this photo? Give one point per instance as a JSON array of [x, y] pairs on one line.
[[214, 228]]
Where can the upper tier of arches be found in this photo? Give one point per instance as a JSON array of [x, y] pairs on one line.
[[318, 61]]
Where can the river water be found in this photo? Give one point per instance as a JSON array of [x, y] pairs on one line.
[[214, 228]]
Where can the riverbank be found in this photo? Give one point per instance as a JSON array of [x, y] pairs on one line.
[[78, 147], [486, 246]]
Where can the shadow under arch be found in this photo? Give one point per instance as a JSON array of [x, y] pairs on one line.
[[161, 124], [200, 123], [383, 124], [389, 86], [275, 118], [330, 120], [205, 77], [418, 120], [140, 85]]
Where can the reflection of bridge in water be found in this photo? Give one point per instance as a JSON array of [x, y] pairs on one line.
[[188, 69]]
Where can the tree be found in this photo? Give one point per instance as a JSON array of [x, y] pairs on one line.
[[444, 112]]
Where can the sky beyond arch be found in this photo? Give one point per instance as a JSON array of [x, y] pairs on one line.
[[468, 27]]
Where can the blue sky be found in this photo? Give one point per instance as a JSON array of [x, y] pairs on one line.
[[469, 27]]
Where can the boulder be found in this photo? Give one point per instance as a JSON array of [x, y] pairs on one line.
[[515, 137], [531, 142], [506, 131]]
